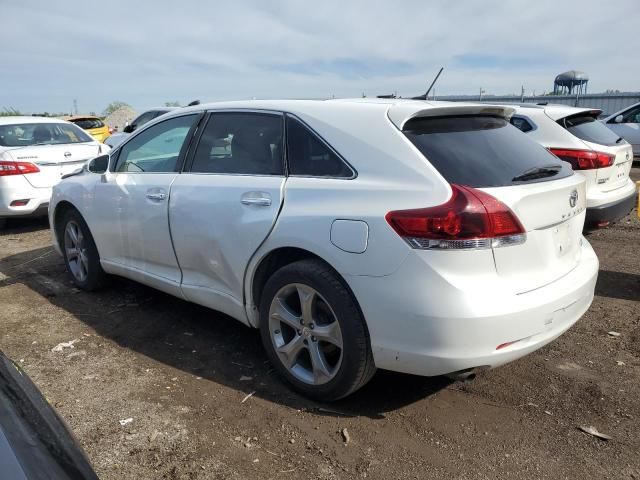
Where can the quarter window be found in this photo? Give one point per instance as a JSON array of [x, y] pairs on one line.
[[157, 149], [241, 143], [310, 156], [521, 124]]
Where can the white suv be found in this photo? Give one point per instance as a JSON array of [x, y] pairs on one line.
[[602, 157], [427, 238]]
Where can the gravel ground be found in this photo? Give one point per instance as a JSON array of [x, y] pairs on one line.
[[205, 404]]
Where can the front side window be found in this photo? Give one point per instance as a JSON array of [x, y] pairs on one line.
[[240, 143], [157, 149], [632, 116], [310, 156], [29, 134]]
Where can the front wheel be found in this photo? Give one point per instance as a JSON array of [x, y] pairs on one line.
[[80, 252], [313, 331]]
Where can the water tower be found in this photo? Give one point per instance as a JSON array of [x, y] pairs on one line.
[[569, 82]]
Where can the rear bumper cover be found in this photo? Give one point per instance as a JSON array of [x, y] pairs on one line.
[[610, 212], [423, 326]]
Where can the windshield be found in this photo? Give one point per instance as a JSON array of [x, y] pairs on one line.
[[586, 127], [28, 134], [88, 123], [483, 151]]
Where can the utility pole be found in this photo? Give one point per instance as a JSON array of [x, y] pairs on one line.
[[75, 106], [481, 92], [522, 94]]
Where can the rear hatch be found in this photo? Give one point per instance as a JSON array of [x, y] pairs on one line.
[[54, 161], [597, 137], [486, 153]]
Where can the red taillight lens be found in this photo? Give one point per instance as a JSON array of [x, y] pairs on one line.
[[17, 168], [469, 219], [584, 159]]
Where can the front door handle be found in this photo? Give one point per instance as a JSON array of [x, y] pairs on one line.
[[157, 196], [262, 199]]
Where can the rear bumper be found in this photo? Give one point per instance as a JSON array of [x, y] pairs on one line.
[[610, 212], [427, 325], [16, 187]]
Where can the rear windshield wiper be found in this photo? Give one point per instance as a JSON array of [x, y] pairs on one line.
[[537, 172], [619, 139]]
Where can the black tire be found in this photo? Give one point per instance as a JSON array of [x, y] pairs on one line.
[[356, 367], [95, 277]]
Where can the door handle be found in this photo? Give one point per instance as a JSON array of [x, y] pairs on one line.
[[262, 199], [158, 196]]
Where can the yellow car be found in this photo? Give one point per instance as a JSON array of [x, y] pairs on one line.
[[92, 125]]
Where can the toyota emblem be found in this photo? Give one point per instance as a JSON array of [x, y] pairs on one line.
[[67, 154], [573, 198]]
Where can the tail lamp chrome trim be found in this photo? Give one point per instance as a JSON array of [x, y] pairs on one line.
[[472, 244]]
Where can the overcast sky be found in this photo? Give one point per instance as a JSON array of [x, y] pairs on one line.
[[148, 52]]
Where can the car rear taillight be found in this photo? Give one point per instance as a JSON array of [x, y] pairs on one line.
[[17, 168], [469, 219], [584, 159]]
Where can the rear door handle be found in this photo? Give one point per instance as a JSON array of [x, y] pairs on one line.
[[262, 199], [155, 195]]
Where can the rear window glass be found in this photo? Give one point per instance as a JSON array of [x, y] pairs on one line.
[[587, 128], [28, 134], [87, 123], [483, 151]]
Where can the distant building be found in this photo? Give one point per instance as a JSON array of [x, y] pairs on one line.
[[121, 117]]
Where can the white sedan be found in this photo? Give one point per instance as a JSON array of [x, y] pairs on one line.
[[35, 152], [427, 238]]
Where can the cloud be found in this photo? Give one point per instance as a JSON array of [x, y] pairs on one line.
[[147, 52]]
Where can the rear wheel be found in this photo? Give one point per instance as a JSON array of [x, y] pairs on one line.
[[313, 331], [80, 252]]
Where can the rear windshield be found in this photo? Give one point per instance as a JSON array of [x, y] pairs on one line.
[[88, 123], [28, 134], [483, 151], [587, 128]]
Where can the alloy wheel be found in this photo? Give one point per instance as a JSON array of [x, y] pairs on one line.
[[76, 251], [306, 334]]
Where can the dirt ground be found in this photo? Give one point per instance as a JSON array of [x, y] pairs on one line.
[[204, 402]]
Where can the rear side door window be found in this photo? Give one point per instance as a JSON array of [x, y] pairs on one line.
[[241, 143], [310, 156], [157, 149]]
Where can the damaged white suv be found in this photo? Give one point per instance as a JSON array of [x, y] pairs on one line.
[[428, 238]]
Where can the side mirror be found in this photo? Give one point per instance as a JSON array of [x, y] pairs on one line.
[[99, 164], [128, 129], [618, 119]]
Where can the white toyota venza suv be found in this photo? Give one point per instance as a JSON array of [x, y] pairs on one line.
[[427, 238]]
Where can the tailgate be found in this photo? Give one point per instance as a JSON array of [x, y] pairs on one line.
[[553, 215]]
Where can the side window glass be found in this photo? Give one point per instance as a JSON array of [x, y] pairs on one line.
[[157, 149], [142, 119], [633, 116], [241, 143], [521, 124], [310, 156]]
